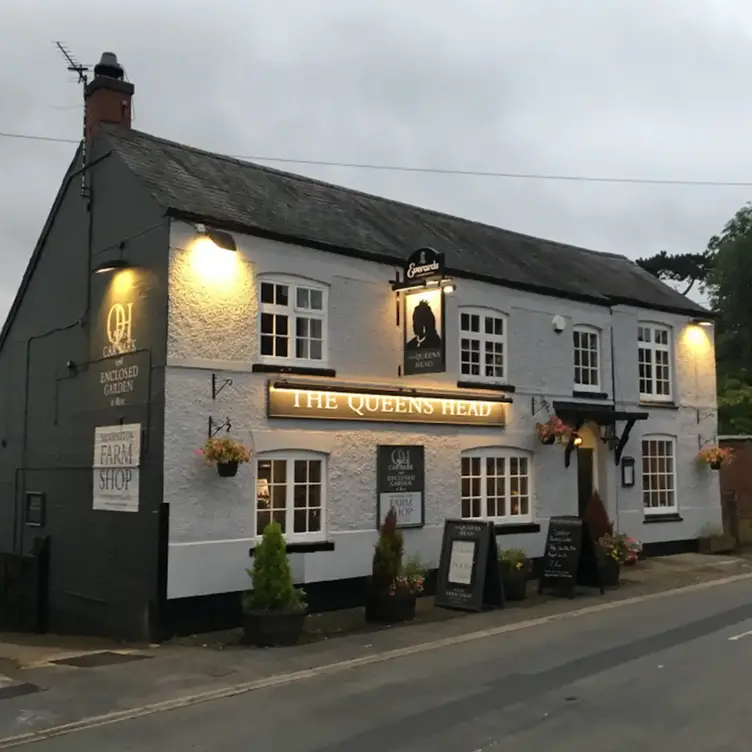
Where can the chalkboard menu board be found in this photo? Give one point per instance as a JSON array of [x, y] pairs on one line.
[[400, 483], [569, 558], [469, 576]]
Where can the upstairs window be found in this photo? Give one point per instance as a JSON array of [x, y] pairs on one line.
[[654, 361], [292, 323], [483, 345], [587, 359]]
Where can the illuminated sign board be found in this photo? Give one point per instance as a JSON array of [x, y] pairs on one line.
[[289, 401]]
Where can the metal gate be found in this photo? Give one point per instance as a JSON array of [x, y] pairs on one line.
[[23, 589]]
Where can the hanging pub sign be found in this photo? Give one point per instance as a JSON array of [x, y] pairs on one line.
[[400, 484], [423, 328], [425, 263], [469, 576]]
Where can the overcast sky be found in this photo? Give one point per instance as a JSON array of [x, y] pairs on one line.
[[623, 88]]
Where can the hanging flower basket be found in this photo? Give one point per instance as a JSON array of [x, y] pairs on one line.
[[554, 430], [716, 457], [226, 454]]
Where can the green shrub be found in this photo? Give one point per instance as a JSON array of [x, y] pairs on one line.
[[513, 560], [387, 556], [273, 587]]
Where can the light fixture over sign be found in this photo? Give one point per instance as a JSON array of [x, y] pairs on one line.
[[112, 265]]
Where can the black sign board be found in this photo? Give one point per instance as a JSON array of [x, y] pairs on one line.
[[35, 508], [425, 350], [400, 483], [425, 263], [120, 381], [569, 559], [469, 576]]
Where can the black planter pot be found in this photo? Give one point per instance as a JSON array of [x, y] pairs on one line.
[[227, 469], [610, 570], [715, 465], [515, 584], [390, 609], [267, 629], [548, 440]]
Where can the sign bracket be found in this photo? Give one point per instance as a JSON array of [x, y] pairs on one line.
[[215, 427], [218, 385]]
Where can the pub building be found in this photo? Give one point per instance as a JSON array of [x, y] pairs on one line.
[[370, 354]]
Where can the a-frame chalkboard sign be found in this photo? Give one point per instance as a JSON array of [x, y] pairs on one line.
[[569, 559], [469, 576]]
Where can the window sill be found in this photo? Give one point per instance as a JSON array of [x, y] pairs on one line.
[[303, 547], [651, 519], [486, 385], [585, 394], [516, 528], [661, 405], [293, 370]]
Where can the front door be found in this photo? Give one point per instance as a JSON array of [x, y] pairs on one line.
[[584, 479]]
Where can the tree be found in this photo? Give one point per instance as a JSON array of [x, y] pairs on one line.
[[684, 268]]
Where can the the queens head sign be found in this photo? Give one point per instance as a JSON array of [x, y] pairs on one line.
[[119, 330], [357, 405]]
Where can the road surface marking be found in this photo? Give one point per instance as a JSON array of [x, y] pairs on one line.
[[739, 636], [223, 693]]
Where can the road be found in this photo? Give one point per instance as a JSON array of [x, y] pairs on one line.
[[663, 674]]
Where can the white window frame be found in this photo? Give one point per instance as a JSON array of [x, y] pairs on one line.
[[653, 348], [483, 339], [589, 331], [672, 508], [290, 457], [507, 454], [293, 312]]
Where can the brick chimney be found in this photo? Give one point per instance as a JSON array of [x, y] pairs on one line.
[[108, 96]]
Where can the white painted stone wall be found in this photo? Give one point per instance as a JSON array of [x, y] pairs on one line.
[[212, 329]]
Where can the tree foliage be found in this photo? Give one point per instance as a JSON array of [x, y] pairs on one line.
[[724, 271]]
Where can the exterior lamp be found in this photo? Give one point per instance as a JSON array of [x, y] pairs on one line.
[[576, 440], [114, 265], [220, 238], [608, 436], [702, 322]]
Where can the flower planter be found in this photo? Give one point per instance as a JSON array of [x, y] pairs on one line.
[[267, 629], [610, 570], [382, 608], [548, 440], [715, 465], [515, 584], [227, 469]]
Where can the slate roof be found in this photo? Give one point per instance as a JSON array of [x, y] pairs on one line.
[[247, 197]]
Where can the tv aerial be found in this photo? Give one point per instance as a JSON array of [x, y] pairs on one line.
[[82, 71]]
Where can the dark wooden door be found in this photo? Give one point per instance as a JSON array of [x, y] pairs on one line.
[[584, 479]]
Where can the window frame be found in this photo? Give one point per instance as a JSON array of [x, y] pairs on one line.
[[588, 329], [506, 453], [290, 456], [653, 347], [293, 312], [659, 510], [483, 312]]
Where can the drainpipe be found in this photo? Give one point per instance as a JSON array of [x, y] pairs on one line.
[[613, 394]]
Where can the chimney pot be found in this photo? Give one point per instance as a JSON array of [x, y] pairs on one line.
[[107, 96]]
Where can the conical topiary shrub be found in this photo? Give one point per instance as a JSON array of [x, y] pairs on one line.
[[274, 608], [390, 599]]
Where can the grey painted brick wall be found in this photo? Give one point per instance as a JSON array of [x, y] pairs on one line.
[[213, 328]]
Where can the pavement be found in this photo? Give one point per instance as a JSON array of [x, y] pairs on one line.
[[584, 671]]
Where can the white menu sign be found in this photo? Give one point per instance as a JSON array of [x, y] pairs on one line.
[[461, 562], [117, 456]]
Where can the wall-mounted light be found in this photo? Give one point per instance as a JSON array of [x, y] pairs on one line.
[[576, 439], [702, 322], [113, 265], [449, 287], [608, 435], [220, 238]]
